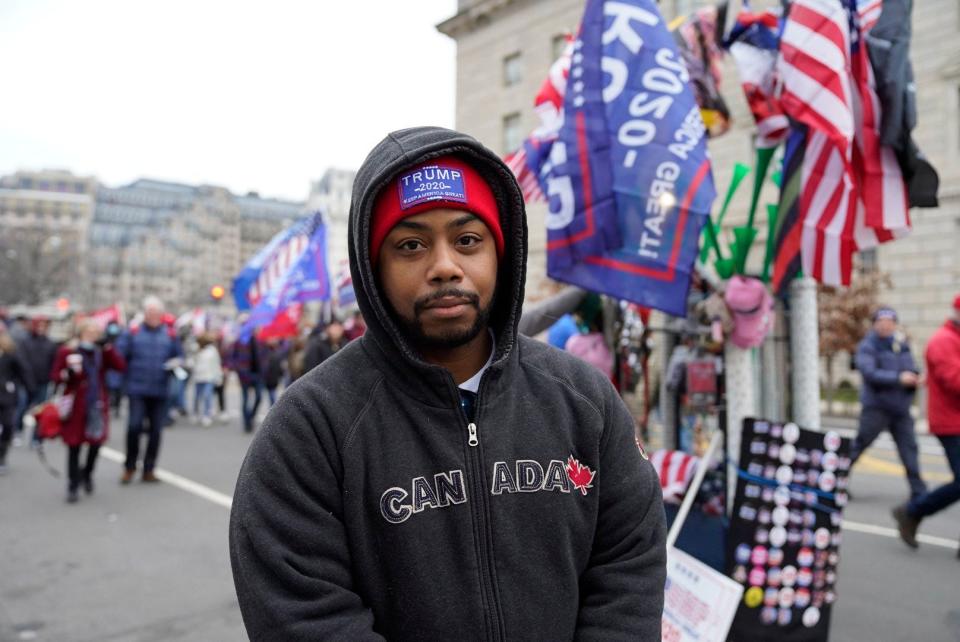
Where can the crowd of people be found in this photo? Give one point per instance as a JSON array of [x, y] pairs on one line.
[[151, 363]]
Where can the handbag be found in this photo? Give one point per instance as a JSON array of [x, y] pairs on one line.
[[63, 402]]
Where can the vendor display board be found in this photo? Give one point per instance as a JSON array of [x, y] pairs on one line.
[[784, 539]]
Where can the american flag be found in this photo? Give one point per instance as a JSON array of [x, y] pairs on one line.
[[753, 44], [852, 194], [676, 469], [549, 108]]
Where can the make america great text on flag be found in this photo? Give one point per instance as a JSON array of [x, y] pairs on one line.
[[628, 178], [291, 269]]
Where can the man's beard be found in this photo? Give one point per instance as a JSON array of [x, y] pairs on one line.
[[448, 339]]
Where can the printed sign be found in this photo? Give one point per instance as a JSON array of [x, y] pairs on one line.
[[699, 603], [785, 530]]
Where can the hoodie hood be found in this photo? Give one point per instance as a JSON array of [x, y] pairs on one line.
[[395, 153]]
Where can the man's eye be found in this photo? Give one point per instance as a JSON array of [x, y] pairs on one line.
[[410, 245], [468, 240]]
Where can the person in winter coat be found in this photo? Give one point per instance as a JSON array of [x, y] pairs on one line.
[[890, 377], [943, 415], [15, 377], [275, 362], [82, 367], [324, 342], [443, 477], [38, 351], [207, 375], [150, 351], [247, 361]]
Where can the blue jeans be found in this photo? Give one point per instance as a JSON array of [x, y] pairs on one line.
[[939, 498], [154, 410], [203, 393], [250, 393]]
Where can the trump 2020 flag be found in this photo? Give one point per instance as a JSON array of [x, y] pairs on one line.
[[628, 180], [305, 279], [271, 263]]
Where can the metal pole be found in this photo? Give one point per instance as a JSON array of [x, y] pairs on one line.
[[805, 353], [692, 489], [741, 403]]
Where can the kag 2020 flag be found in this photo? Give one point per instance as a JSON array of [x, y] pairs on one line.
[[628, 179]]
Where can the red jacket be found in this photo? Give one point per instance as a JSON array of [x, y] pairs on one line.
[[74, 427], [943, 380]]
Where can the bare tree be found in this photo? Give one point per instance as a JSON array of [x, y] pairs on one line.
[[844, 318], [36, 265]]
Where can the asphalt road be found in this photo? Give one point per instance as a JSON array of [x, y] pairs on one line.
[[150, 562]]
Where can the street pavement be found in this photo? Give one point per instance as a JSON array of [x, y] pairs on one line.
[[150, 562]]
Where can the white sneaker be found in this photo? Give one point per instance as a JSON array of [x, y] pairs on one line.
[[206, 421]]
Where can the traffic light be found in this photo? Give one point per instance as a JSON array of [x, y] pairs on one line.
[[217, 292], [63, 304]]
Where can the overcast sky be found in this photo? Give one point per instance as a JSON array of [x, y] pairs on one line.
[[248, 95]]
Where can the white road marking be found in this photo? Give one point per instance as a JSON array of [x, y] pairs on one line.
[[883, 531], [184, 484]]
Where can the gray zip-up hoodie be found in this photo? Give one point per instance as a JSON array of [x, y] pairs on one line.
[[366, 509]]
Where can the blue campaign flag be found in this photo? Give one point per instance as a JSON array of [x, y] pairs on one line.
[[270, 263], [628, 180], [305, 278]]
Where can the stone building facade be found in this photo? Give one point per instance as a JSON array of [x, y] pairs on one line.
[[505, 48], [331, 194], [46, 214], [176, 241]]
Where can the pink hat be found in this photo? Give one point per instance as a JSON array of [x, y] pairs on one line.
[[751, 307], [593, 349]]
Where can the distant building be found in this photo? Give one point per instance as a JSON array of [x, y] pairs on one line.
[[45, 217], [175, 240], [332, 194], [505, 48]]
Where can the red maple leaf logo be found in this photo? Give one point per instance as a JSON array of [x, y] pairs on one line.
[[581, 476]]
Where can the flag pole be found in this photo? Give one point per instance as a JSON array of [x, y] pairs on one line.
[[692, 490], [804, 353]]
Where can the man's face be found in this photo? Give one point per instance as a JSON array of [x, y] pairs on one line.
[[885, 327], [438, 270], [153, 316], [41, 327]]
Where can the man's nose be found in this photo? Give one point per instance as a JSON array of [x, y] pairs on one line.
[[446, 264]]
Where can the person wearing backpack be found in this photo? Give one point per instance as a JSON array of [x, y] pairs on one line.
[[81, 367]]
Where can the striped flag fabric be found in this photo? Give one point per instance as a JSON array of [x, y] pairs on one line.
[[675, 469], [525, 162], [753, 45], [852, 195], [786, 263], [529, 183]]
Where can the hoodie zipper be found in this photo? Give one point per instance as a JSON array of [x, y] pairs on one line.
[[481, 514]]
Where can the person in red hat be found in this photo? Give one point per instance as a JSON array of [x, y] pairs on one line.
[[943, 415], [443, 477]]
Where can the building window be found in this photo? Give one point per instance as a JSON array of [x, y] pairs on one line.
[[868, 261], [512, 133], [558, 45], [512, 69]]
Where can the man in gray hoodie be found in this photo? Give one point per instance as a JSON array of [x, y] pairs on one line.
[[444, 477]]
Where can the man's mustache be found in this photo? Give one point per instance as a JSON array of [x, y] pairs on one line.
[[421, 304]]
